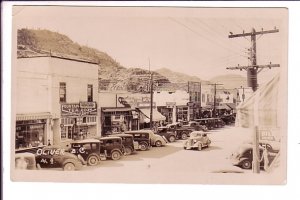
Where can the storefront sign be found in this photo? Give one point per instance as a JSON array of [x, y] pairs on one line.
[[70, 109], [87, 105], [170, 104], [266, 135], [146, 104], [83, 108], [36, 126]]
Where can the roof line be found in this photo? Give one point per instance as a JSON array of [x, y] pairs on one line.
[[59, 57]]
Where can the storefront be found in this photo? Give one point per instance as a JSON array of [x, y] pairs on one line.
[[31, 131], [182, 113], [167, 112], [78, 120], [118, 119]]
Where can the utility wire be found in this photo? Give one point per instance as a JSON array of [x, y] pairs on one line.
[[209, 39]]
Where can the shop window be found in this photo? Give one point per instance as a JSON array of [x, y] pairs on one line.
[[90, 93], [62, 92], [64, 131], [30, 135]]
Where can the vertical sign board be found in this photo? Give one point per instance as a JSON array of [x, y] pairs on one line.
[[266, 134]]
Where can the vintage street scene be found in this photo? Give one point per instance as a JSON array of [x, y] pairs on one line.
[[149, 94]]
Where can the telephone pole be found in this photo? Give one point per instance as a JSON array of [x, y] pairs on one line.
[[151, 101], [252, 72], [215, 94]]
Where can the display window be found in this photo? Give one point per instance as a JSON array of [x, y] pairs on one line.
[[30, 133]]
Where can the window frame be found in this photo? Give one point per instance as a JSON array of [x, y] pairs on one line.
[[62, 87], [90, 93]]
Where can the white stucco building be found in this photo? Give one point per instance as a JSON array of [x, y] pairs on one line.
[[51, 94]]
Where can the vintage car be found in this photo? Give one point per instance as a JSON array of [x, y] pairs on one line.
[[112, 147], [25, 161], [129, 144], [142, 138], [208, 122], [196, 126], [219, 123], [197, 140], [168, 133], [88, 150], [57, 157], [182, 132], [243, 156], [147, 138]]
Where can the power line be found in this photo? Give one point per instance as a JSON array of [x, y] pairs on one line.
[[216, 33], [201, 35]]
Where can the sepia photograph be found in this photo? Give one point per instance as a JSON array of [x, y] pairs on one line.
[[149, 95]]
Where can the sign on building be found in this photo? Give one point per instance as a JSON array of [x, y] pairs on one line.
[[81, 109]]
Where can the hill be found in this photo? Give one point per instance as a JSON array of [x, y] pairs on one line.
[[230, 81], [112, 75]]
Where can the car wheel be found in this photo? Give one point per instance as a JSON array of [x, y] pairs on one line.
[[184, 136], [69, 167], [158, 143], [246, 164], [116, 155], [144, 146], [200, 147], [92, 160], [172, 138], [128, 151]]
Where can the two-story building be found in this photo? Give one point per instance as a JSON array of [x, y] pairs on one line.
[[55, 100]]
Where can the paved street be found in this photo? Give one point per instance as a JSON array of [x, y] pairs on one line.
[[173, 164]]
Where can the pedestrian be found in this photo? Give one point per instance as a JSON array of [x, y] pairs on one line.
[[265, 157], [81, 134], [123, 127]]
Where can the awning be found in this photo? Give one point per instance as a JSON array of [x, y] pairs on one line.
[[231, 105], [207, 107], [156, 116], [120, 109], [223, 107], [33, 116]]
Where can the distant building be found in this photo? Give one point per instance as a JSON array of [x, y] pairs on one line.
[[55, 99], [173, 105]]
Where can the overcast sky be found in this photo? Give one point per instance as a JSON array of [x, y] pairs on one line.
[[188, 40]]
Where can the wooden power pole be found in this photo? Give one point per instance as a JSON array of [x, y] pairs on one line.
[[215, 96], [252, 72], [151, 101]]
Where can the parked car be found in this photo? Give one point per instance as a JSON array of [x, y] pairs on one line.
[[25, 161], [181, 131], [197, 140], [208, 122], [167, 132], [89, 150], [112, 147], [272, 146], [228, 119], [142, 138], [243, 156], [196, 126], [57, 157], [219, 123], [147, 138], [129, 144]]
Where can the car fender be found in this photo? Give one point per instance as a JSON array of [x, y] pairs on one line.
[[77, 163], [116, 150], [94, 154], [197, 143], [242, 159]]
